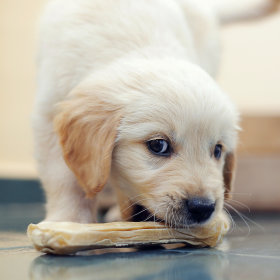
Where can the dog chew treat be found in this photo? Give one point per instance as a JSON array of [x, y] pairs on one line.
[[64, 238]]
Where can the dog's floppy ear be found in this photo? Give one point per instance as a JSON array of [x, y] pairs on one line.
[[228, 173], [87, 129]]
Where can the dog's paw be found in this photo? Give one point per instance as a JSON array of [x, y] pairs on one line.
[[113, 214]]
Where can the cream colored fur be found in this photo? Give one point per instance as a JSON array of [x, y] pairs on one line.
[[113, 74]]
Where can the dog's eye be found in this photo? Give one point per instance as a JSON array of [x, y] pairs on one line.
[[218, 151], [159, 147]]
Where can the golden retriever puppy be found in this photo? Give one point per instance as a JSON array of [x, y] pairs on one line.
[[126, 98]]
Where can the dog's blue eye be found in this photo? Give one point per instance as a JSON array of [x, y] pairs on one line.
[[159, 147], [218, 151]]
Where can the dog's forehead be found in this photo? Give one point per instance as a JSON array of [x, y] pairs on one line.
[[182, 117]]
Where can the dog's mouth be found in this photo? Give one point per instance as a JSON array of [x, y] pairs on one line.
[[142, 214]]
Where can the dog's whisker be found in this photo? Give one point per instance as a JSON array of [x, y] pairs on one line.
[[186, 224], [156, 211], [241, 216], [152, 214], [165, 220], [253, 222], [232, 220], [134, 203], [171, 217], [138, 213], [239, 193], [239, 203], [173, 221], [182, 222]]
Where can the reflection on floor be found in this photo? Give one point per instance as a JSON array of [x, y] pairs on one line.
[[245, 254]]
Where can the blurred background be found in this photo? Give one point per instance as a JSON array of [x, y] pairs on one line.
[[249, 73]]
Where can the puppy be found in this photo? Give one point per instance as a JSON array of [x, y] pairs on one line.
[[126, 98]]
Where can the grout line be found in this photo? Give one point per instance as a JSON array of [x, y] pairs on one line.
[[256, 256]]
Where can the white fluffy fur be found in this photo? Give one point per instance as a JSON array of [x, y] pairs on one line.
[[150, 61]]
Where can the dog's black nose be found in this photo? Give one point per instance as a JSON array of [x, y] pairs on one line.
[[200, 209]]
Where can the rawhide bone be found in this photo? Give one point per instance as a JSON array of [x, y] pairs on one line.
[[64, 238]]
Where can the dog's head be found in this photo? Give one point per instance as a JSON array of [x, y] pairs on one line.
[[163, 132]]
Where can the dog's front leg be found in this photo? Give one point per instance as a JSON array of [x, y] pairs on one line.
[[66, 200]]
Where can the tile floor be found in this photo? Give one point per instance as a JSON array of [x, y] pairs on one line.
[[243, 254]]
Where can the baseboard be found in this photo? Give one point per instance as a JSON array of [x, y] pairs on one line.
[[20, 191]]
